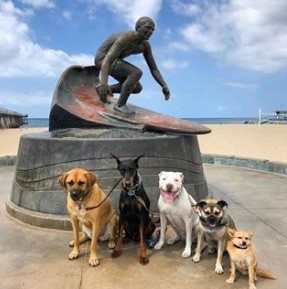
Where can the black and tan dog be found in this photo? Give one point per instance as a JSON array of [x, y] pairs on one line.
[[89, 210], [243, 257], [134, 218], [213, 225]]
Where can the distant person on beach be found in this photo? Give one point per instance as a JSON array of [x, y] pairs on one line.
[[109, 60]]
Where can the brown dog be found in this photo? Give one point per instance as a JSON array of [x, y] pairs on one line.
[[90, 210], [213, 223], [243, 258]]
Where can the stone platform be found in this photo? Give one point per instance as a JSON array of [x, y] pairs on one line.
[[36, 196]]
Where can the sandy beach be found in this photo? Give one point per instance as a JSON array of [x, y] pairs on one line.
[[265, 142]]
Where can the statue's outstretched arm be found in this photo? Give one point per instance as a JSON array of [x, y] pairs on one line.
[[155, 71]]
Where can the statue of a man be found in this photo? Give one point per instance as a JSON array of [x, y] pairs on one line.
[[109, 60]]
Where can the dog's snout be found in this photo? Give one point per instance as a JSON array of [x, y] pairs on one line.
[[169, 187], [128, 181], [75, 195], [244, 243], [212, 219]]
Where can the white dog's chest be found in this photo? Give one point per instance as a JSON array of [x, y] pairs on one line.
[[177, 216]]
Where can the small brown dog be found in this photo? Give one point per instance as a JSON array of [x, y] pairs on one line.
[[213, 223], [90, 210], [243, 257]]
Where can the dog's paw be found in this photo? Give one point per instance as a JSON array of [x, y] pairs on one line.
[[74, 255], [230, 280], [93, 262], [218, 269], [111, 244], [158, 245], [186, 253], [116, 253], [144, 260], [252, 286], [196, 258]]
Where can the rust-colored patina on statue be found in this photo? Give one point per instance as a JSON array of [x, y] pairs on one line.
[[109, 60]]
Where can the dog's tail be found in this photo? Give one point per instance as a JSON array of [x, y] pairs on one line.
[[265, 274]]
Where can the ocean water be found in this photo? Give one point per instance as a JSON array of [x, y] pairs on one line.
[[44, 122]]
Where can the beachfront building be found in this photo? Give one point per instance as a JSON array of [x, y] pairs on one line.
[[11, 119]]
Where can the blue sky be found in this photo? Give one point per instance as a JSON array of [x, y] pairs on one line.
[[223, 58]]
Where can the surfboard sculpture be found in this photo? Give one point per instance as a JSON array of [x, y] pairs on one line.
[[76, 104]]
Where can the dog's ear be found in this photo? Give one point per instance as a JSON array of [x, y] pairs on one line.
[[91, 178], [137, 159], [201, 204], [118, 160], [62, 180], [196, 208], [222, 204], [161, 173], [231, 232]]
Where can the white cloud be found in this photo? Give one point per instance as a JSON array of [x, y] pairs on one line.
[[39, 3], [14, 99], [180, 7], [240, 85], [179, 45], [171, 64], [131, 10], [248, 34], [20, 56], [67, 15]]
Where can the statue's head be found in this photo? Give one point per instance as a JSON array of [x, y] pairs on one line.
[[145, 26], [143, 20]]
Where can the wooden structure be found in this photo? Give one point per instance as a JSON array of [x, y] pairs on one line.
[[12, 119]]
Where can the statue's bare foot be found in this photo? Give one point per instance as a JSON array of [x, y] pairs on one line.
[[124, 109]]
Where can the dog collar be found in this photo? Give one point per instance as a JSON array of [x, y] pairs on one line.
[[80, 205], [137, 187], [238, 247], [84, 196]]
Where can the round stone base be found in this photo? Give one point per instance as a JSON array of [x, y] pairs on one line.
[[36, 194]]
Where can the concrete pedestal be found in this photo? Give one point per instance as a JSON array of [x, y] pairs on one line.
[[37, 197]]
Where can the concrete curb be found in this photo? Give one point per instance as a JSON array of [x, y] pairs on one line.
[[8, 161], [248, 163]]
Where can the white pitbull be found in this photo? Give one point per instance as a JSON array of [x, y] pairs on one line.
[[175, 207]]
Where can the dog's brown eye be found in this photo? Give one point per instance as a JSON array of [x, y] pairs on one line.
[[216, 213], [240, 238], [70, 183], [80, 183], [207, 213]]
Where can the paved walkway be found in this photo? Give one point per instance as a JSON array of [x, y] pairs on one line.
[[33, 257]]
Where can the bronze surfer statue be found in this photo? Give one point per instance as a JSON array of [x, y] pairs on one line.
[[110, 60]]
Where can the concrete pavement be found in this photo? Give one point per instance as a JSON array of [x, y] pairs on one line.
[[33, 257]]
